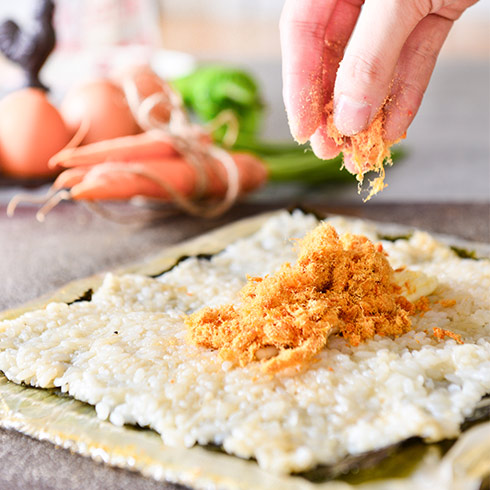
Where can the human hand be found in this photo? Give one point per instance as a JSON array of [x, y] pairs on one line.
[[386, 64]]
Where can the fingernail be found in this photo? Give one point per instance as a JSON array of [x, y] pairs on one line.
[[350, 115]]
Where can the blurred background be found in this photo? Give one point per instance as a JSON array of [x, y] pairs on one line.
[[448, 145]]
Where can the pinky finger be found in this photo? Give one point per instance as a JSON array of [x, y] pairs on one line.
[[412, 74]]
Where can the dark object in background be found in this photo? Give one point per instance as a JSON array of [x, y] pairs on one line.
[[30, 48]]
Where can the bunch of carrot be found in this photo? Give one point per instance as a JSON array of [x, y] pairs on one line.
[[169, 159], [147, 164]]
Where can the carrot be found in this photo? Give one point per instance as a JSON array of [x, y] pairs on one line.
[[122, 180], [157, 178], [125, 148]]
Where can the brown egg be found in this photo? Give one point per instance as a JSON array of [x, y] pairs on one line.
[[101, 105], [31, 132]]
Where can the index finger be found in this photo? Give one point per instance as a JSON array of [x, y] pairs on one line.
[[302, 29]]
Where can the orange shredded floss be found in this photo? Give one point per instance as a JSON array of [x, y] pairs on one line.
[[422, 305], [440, 333], [447, 303], [339, 284], [368, 149]]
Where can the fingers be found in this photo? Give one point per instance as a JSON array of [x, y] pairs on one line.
[[366, 71], [302, 29], [337, 34], [412, 74]]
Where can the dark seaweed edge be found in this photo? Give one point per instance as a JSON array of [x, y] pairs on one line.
[[181, 259], [86, 296], [371, 465], [485, 484], [464, 253], [461, 252], [394, 238], [307, 210], [395, 461], [480, 413]]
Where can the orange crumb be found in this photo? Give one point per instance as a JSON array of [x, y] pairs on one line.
[[447, 303], [440, 333], [368, 149], [410, 288], [339, 284], [422, 305]]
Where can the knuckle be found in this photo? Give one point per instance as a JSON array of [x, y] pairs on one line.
[[412, 93], [415, 94], [303, 29], [426, 7], [453, 11], [423, 53], [436, 5], [423, 7], [366, 69]]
